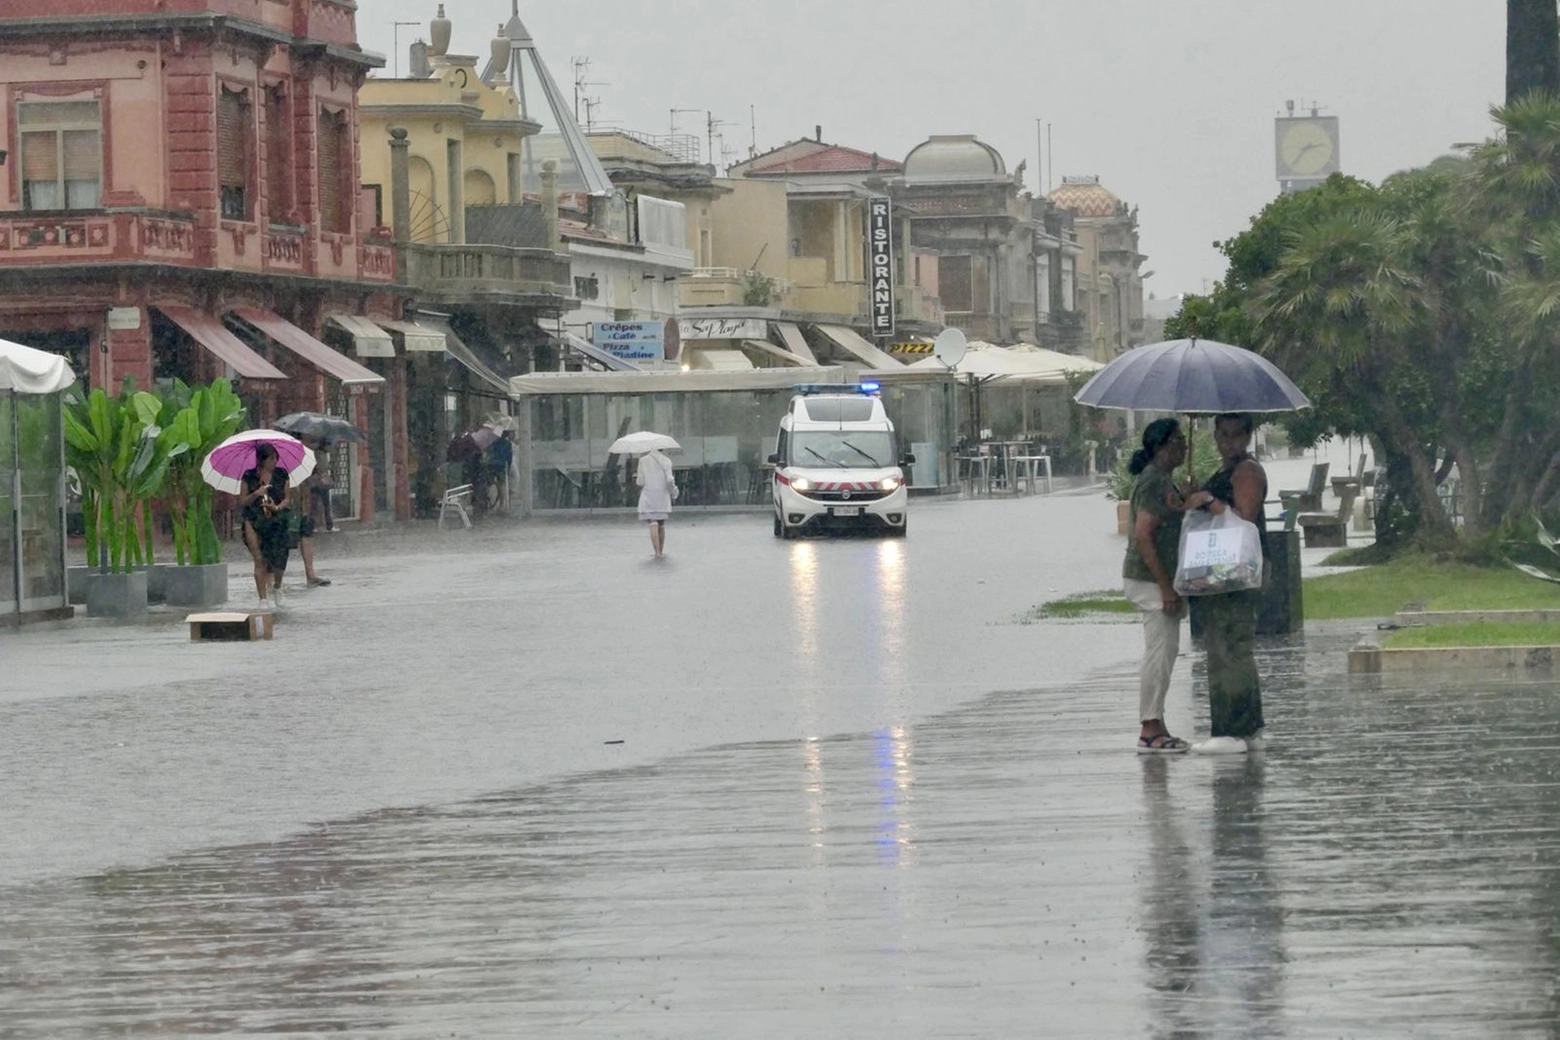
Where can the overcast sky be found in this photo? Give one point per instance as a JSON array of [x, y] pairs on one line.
[[1170, 102]]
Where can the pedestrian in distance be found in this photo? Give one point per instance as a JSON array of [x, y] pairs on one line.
[[266, 493], [657, 490], [1148, 573], [301, 527], [1229, 620]]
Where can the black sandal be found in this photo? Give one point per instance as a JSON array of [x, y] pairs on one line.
[[1162, 744]]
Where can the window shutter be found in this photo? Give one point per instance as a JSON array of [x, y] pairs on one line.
[[81, 155], [330, 172], [232, 139], [40, 157]]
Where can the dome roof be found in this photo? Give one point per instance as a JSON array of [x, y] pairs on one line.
[[961, 157], [1085, 197]]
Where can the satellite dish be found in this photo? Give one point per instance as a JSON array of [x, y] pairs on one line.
[[950, 348]]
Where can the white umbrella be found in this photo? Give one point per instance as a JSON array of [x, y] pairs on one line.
[[642, 442], [224, 468], [25, 370]]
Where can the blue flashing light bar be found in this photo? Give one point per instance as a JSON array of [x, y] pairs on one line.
[[809, 389]]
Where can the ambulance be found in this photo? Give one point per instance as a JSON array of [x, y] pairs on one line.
[[838, 465]]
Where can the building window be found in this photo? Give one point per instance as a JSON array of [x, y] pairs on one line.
[[334, 157], [954, 283], [1043, 284], [587, 288], [278, 157], [235, 137], [1069, 278], [62, 154]]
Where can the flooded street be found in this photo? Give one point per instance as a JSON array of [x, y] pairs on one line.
[[854, 794]]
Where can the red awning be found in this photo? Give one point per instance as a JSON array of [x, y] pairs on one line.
[[210, 333], [332, 363]]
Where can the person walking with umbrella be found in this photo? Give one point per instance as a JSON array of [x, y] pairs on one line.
[[1230, 619], [266, 493], [261, 467], [656, 479]]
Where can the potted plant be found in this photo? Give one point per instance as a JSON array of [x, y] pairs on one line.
[[112, 443], [195, 423]]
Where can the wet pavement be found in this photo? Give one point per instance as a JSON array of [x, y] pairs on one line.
[[855, 794]]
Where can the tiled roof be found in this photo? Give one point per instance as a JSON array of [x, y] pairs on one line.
[[830, 158]]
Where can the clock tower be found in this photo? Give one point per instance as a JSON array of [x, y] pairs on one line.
[[1306, 149]]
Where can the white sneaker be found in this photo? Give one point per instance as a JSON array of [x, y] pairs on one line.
[[1257, 741], [1221, 746], [277, 598]]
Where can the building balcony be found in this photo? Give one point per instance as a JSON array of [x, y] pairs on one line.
[[96, 237], [466, 275], [730, 287]]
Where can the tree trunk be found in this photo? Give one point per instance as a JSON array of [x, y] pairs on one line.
[[1435, 525], [1532, 47]]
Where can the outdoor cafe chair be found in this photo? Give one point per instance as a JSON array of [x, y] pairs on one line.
[[456, 498]]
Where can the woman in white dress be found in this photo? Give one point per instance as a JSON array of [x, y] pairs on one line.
[[658, 486]]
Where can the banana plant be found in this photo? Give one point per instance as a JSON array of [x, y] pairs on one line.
[[194, 423], [112, 443]]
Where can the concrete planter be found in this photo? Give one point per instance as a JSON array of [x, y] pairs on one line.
[[202, 586], [157, 582], [76, 579], [116, 595]]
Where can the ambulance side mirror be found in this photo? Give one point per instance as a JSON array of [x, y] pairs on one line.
[[774, 460]]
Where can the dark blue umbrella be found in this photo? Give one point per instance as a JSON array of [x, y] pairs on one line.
[[1193, 376]]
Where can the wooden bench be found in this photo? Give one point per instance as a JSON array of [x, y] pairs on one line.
[[233, 627], [1330, 529], [1310, 497]]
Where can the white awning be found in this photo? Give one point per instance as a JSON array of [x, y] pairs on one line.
[[672, 381], [794, 341], [720, 361], [776, 352], [368, 339], [853, 344], [418, 339]]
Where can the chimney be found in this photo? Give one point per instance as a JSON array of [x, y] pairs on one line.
[[818, 133], [418, 63], [876, 161]]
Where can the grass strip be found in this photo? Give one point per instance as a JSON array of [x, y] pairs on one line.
[[1479, 633], [1082, 605], [1382, 591]]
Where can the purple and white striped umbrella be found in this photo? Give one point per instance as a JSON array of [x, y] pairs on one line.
[[224, 468]]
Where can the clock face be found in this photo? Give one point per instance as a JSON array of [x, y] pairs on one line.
[[1305, 149]]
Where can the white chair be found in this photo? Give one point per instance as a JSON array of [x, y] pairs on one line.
[[456, 497]]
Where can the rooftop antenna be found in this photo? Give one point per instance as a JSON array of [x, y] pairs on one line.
[[672, 126], [753, 131], [591, 104], [581, 70], [395, 47], [710, 126]]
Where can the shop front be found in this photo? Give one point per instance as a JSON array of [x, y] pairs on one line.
[[724, 420]]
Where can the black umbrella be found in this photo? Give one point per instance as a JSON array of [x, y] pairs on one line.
[[327, 429], [1200, 377]]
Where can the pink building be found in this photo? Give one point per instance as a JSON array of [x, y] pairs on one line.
[[179, 198]]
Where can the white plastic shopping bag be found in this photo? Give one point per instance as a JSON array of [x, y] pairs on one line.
[[1219, 553]]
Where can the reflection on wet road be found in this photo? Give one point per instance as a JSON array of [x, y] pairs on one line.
[[973, 874], [855, 799]]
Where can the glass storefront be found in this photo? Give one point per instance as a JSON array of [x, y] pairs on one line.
[[32, 526], [726, 436]]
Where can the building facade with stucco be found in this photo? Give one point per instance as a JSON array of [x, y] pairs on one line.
[[1001, 264], [1109, 276]]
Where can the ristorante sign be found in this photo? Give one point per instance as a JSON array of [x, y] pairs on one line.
[[880, 264]]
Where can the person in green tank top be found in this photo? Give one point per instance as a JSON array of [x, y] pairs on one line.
[[1153, 544]]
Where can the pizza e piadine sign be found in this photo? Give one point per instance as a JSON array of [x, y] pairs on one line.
[[880, 264]]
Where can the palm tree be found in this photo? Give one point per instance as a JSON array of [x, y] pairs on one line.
[[1343, 313], [1515, 189], [1532, 47]]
